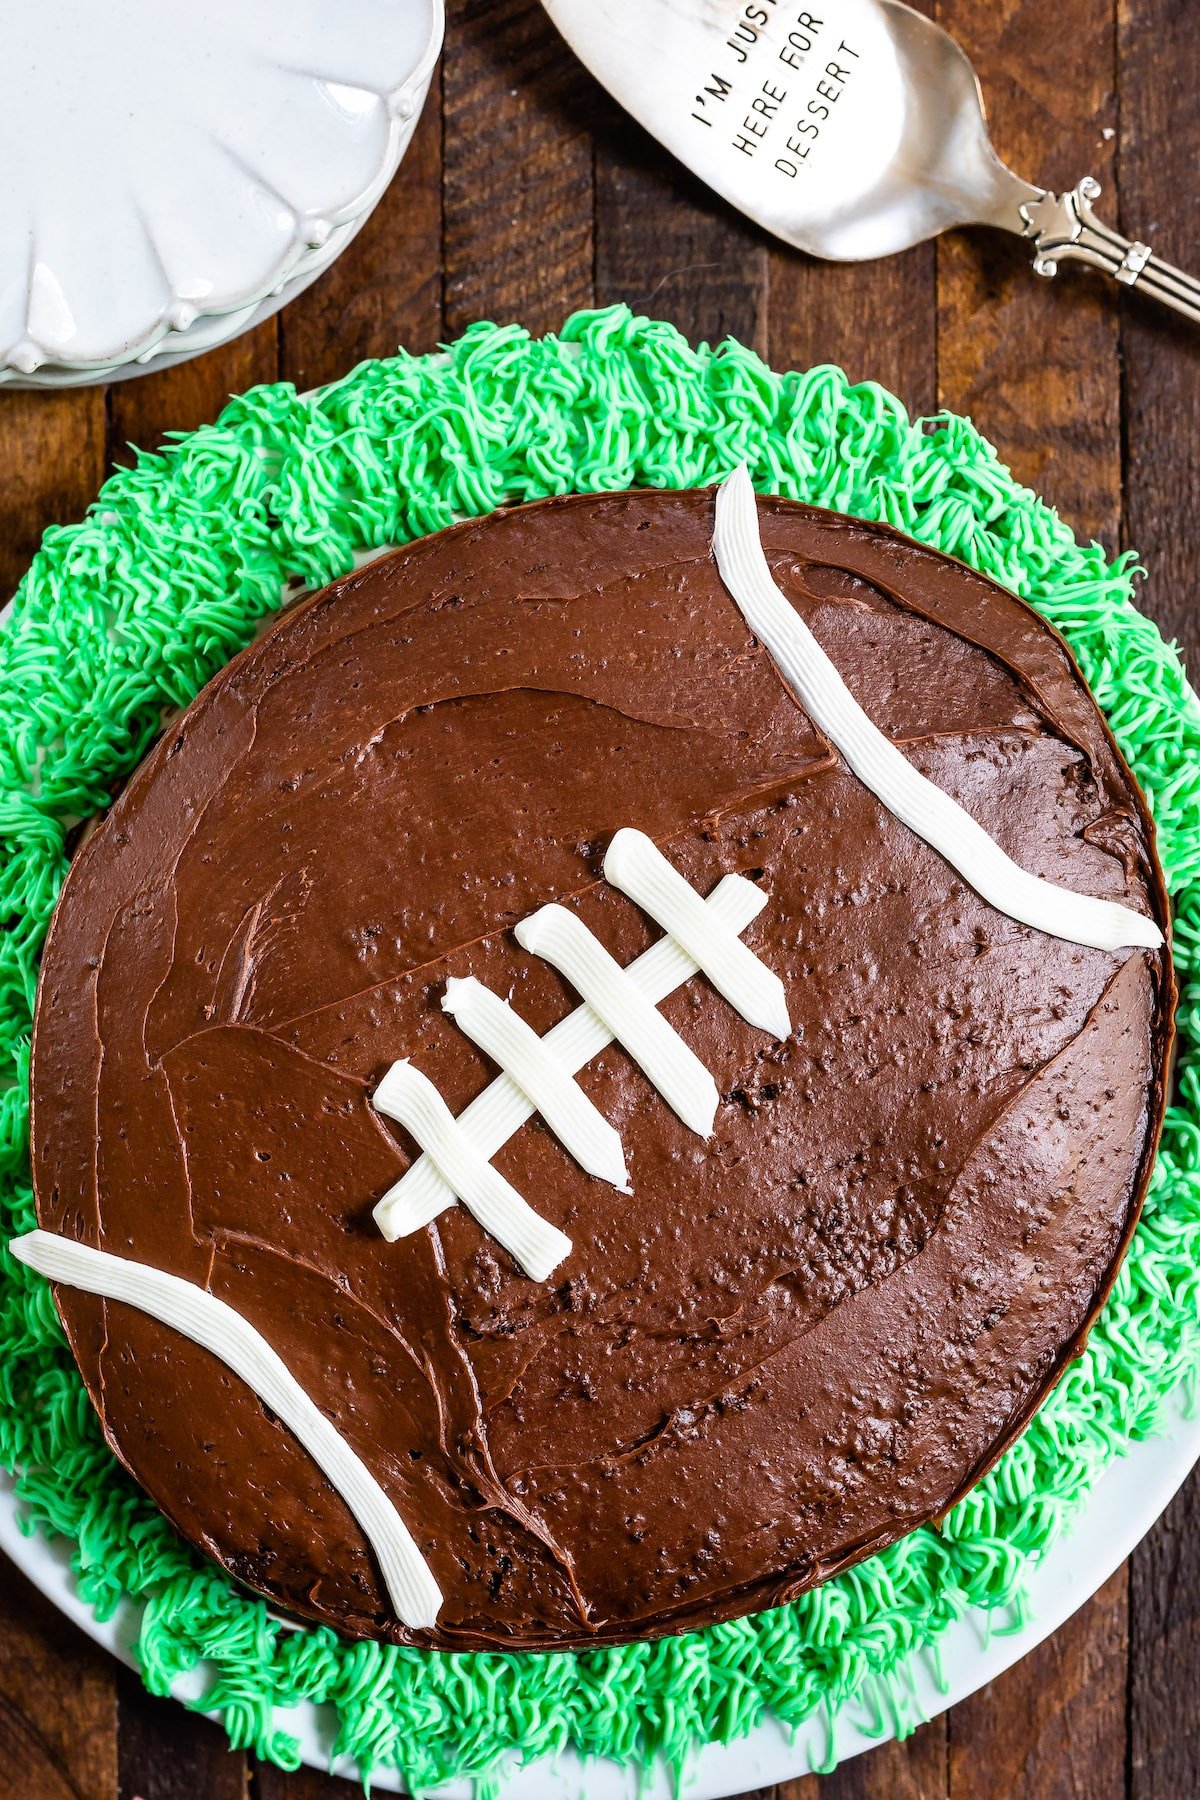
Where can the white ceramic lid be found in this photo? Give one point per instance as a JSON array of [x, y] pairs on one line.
[[164, 163]]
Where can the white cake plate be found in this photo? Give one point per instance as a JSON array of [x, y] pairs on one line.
[[1118, 1513], [173, 176]]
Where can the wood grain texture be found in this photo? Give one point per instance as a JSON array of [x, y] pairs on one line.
[[1035, 362], [667, 245], [142, 412], [1160, 152], [878, 321], [1164, 1641], [306, 1784], [386, 289], [51, 463], [518, 169], [1159, 159], [527, 193], [1053, 1727], [201, 1766], [58, 1702]]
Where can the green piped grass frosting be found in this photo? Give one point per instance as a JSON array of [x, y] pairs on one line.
[[129, 613]]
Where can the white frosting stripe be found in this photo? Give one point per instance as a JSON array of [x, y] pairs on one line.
[[922, 806], [636, 865], [562, 939], [503, 1034], [500, 1111], [414, 1102], [220, 1329]]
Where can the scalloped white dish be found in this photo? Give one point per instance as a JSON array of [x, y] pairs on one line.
[[209, 331], [168, 168]]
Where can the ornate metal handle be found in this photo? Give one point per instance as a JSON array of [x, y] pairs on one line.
[[1064, 227]]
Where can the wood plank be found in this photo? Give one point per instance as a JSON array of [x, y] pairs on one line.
[[1158, 72], [912, 1770], [667, 245], [270, 1783], [878, 320], [1164, 1631], [143, 410], [58, 1714], [518, 169], [806, 1787], [1053, 1727], [385, 290], [165, 1752], [1035, 362], [52, 455]]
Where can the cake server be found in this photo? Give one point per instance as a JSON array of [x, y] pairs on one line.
[[849, 128]]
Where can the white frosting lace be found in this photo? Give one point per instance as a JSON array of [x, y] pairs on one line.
[[503, 1107], [503, 1034]]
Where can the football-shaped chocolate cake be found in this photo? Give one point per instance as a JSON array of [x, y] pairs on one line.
[[753, 1227]]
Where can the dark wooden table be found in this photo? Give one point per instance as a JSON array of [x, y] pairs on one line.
[[527, 194]]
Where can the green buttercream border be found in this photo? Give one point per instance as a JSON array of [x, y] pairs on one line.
[[132, 610]]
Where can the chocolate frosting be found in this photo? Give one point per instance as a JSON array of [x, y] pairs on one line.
[[793, 1342]]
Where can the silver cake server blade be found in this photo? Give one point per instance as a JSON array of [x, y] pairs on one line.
[[849, 128]]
